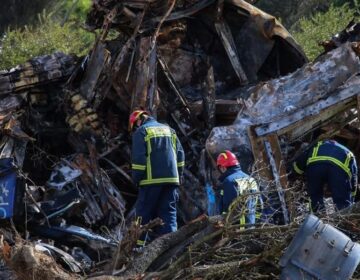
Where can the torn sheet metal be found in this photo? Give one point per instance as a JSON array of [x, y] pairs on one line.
[[74, 234], [316, 249], [288, 94], [14, 141], [175, 61], [62, 175], [292, 105], [61, 255], [38, 71], [8, 192], [285, 98], [105, 203]]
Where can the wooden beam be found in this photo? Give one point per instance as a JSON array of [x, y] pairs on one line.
[[280, 163], [261, 160]]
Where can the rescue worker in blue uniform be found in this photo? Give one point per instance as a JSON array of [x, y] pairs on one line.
[[329, 163], [158, 161], [236, 183]]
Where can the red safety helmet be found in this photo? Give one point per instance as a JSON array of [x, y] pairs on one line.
[[227, 159], [135, 116]]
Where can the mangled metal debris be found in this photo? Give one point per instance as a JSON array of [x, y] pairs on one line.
[[224, 74]]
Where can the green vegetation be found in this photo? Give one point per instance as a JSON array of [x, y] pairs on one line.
[[321, 26], [72, 9], [59, 30]]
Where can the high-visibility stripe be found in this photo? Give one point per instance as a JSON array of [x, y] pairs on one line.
[[138, 167], [342, 165], [158, 181], [246, 185], [148, 160], [316, 149], [258, 213], [348, 158], [297, 169], [157, 131], [138, 220], [242, 222], [173, 141], [331, 159], [140, 242]]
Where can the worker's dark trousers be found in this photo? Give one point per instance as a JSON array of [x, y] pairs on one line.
[[158, 201], [320, 173]]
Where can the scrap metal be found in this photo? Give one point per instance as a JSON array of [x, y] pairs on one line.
[[223, 74]]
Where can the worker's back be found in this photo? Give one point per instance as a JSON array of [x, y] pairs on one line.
[[332, 152], [158, 152], [330, 164]]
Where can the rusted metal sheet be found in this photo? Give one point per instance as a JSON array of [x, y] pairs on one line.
[[38, 71], [269, 24], [277, 103], [187, 63], [340, 101]]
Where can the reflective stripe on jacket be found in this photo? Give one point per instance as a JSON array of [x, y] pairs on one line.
[[332, 152], [157, 154], [237, 183]]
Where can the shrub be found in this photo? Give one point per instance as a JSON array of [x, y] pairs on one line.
[[19, 45], [310, 31]]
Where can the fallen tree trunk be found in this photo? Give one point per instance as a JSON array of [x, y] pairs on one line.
[[156, 248], [29, 263]]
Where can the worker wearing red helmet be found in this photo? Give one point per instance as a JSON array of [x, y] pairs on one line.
[[158, 160], [236, 183]]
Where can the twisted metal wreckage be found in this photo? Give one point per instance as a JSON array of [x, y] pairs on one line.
[[223, 74]]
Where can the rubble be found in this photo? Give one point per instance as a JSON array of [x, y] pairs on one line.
[[224, 75]]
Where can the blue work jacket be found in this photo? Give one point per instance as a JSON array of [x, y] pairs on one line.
[[235, 183], [157, 154], [332, 152]]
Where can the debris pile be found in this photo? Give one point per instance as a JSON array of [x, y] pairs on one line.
[[224, 75]]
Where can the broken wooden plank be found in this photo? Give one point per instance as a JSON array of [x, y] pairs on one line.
[[279, 187], [261, 162], [97, 61], [279, 161], [280, 166]]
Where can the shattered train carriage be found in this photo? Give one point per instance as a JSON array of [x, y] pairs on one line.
[[318, 101], [188, 73], [223, 74]]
